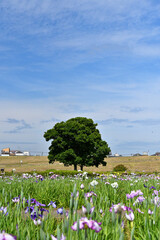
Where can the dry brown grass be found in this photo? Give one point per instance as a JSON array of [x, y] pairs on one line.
[[40, 163]]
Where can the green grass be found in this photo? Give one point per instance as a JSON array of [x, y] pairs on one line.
[[18, 223]]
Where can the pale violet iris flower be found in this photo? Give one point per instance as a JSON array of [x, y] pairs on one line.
[[62, 237], [37, 222], [6, 236], [130, 216], [82, 186], [85, 223], [84, 210], [52, 204]]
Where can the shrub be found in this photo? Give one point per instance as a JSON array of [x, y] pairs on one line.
[[119, 168]]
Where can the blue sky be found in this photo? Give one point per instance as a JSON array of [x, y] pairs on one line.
[[69, 58]]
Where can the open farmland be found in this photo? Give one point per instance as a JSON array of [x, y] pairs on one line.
[[40, 163]]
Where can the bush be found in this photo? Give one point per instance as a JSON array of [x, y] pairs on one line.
[[119, 168]]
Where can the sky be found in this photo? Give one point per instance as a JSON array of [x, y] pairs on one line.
[[98, 59]]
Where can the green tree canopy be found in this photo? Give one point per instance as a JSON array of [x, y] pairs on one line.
[[77, 142]]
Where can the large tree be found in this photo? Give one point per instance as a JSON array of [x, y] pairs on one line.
[[77, 142]]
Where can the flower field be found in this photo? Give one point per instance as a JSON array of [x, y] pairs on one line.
[[102, 207]]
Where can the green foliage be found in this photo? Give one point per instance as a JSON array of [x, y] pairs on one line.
[[77, 142], [119, 168]]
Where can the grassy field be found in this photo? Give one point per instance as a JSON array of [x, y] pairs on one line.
[[40, 163]]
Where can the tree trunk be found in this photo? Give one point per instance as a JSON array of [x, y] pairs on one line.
[[75, 167], [81, 167]]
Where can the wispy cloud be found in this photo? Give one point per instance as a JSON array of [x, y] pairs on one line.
[[12, 120], [22, 125], [57, 23], [147, 122], [50, 120], [132, 109], [113, 120]]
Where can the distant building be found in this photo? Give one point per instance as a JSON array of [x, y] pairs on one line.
[[5, 152], [12, 152], [156, 154], [137, 154], [19, 153], [145, 153], [116, 155], [8, 152], [26, 153]]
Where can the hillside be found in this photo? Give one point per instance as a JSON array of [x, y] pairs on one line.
[[40, 163]]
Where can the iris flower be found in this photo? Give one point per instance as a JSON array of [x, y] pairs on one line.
[[37, 222], [114, 185], [119, 208], [130, 216], [62, 237], [16, 199], [93, 183], [60, 210], [6, 236], [52, 204], [84, 210], [84, 223], [134, 194], [4, 210], [90, 194], [82, 186], [150, 212]]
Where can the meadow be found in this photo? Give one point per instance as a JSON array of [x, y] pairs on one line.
[[104, 205], [40, 163], [111, 206]]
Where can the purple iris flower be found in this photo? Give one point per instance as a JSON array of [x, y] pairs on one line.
[[32, 201], [37, 222], [150, 212], [101, 211], [118, 208], [16, 199], [155, 192], [156, 201], [152, 187], [4, 210], [85, 223], [144, 185], [82, 186], [141, 199], [140, 211], [90, 194], [35, 215], [60, 210], [52, 204], [29, 209], [84, 210], [6, 236], [43, 210], [130, 216], [77, 194], [38, 204], [134, 194]]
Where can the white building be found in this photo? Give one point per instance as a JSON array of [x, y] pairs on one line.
[[145, 153], [19, 153], [26, 153], [116, 155]]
